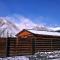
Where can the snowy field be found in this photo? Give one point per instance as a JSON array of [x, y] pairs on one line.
[[15, 58], [55, 55], [27, 58], [24, 58]]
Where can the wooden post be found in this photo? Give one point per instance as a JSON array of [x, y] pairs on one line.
[[33, 45], [17, 40], [51, 44], [6, 44]]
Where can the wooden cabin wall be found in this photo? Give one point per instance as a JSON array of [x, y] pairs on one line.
[[38, 43], [11, 48], [29, 45], [24, 46], [3, 47], [47, 43], [7, 47]]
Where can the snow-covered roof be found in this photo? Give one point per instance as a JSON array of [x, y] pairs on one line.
[[45, 32]]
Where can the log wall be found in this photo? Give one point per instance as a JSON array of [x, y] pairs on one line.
[[28, 46], [2, 47]]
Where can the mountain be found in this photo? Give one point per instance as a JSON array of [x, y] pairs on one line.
[[55, 29], [10, 29], [7, 28]]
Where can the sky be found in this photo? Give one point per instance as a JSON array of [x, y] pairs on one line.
[[39, 11]]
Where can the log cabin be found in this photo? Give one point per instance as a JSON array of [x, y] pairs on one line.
[[28, 42], [31, 41]]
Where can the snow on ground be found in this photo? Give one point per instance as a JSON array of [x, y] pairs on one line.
[[55, 59], [15, 58], [55, 55]]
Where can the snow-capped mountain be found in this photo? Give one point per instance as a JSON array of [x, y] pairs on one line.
[[55, 28], [7, 28], [10, 28]]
